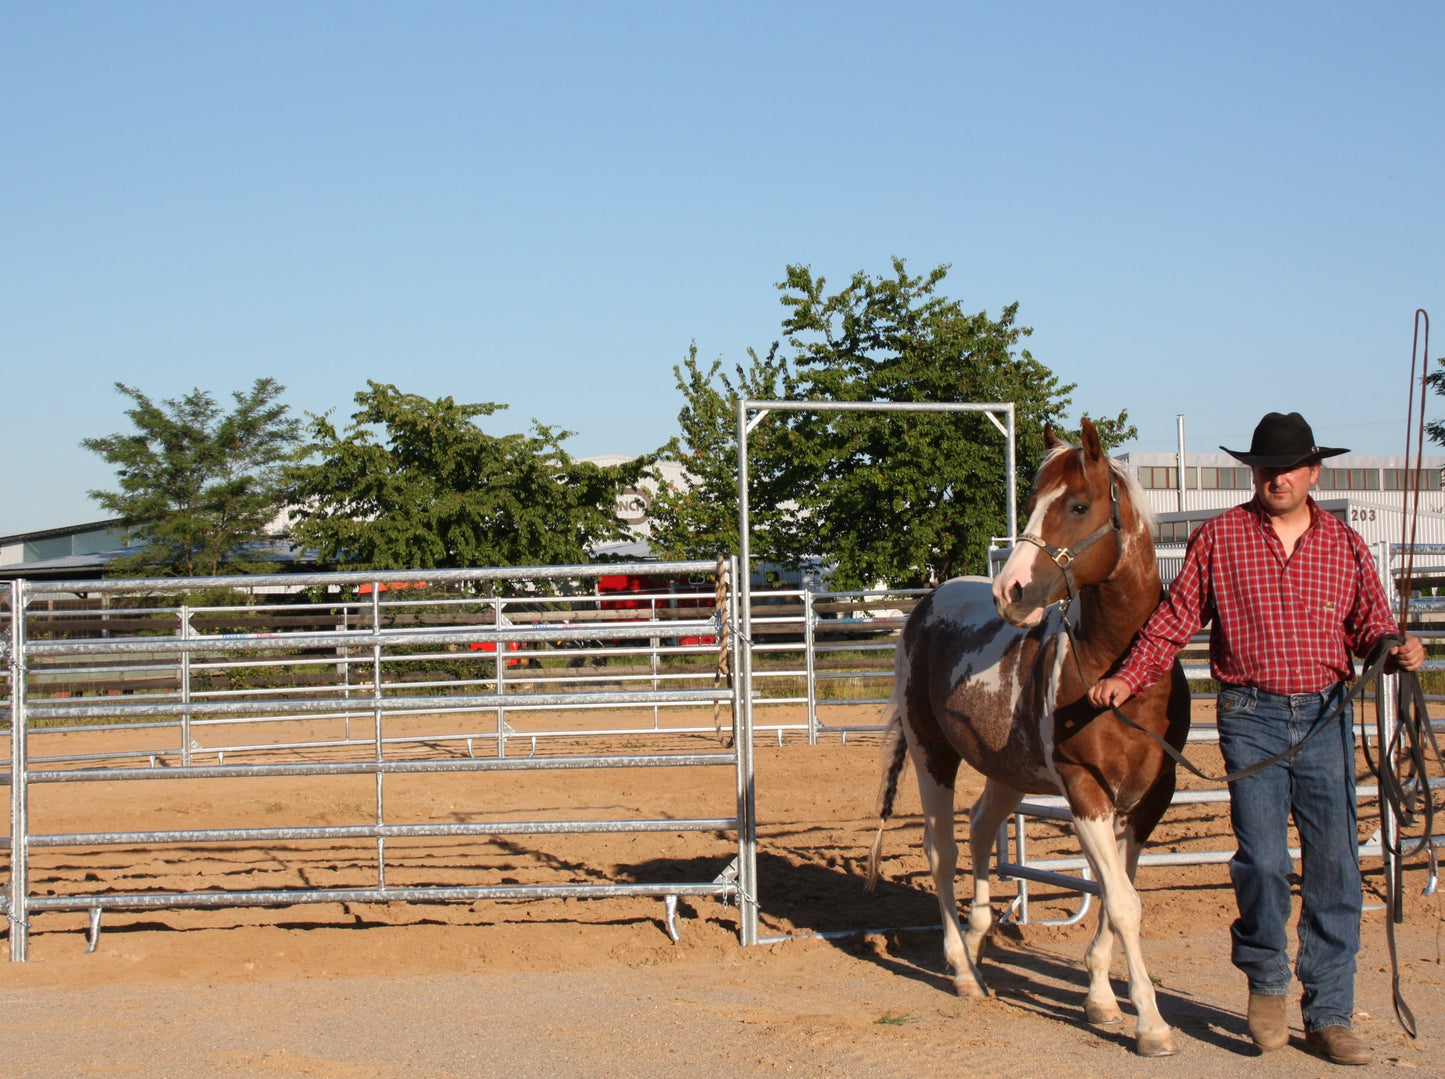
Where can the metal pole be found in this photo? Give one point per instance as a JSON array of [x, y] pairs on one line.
[[376, 726], [19, 786], [653, 644], [185, 616], [748, 825], [501, 666], [1389, 826], [747, 872], [810, 667], [345, 652], [1011, 466], [1181, 462]]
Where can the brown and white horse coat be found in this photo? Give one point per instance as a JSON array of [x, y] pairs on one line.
[[984, 673]]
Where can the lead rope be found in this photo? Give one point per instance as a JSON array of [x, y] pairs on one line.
[[723, 673], [1410, 502], [1396, 795], [1405, 798]]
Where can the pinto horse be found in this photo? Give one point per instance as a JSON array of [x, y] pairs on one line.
[[985, 672]]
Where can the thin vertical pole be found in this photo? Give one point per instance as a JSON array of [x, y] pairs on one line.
[[654, 643], [344, 651], [747, 779], [1180, 476], [1385, 701], [810, 667], [501, 666], [185, 616], [19, 787], [1011, 467], [376, 726], [747, 872]]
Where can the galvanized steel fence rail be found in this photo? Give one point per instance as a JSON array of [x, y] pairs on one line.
[[826, 653], [180, 727]]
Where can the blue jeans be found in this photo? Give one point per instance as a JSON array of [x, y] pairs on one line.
[[1317, 787]]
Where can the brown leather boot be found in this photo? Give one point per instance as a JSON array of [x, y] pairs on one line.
[[1338, 1045], [1266, 1021]]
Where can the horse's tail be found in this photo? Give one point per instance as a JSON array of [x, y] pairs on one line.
[[895, 757]]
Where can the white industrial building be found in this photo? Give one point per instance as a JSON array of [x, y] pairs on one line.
[[1368, 492]]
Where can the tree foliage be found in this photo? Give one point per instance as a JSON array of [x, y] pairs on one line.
[[414, 483], [1436, 379], [905, 499], [198, 486], [701, 520]]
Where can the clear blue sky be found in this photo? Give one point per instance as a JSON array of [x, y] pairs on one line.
[[1209, 209]]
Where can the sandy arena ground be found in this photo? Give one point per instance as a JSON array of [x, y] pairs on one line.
[[596, 987]]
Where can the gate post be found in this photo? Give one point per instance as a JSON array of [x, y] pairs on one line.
[[810, 667], [739, 602], [185, 679], [19, 788]]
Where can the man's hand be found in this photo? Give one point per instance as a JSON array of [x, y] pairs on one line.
[[1110, 692], [1403, 657]]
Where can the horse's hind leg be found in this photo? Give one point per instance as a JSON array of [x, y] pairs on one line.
[[988, 813], [941, 847]]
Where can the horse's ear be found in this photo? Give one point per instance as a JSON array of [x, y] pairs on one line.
[[1093, 448], [1051, 440]]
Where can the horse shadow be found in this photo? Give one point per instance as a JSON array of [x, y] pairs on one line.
[[833, 903]]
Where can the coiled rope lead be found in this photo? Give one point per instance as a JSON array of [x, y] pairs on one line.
[[723, 673], [1406, 797]]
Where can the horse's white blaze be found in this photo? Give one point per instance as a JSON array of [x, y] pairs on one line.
[[1018, 571]]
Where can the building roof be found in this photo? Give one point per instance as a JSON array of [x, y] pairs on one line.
[[65, 530]]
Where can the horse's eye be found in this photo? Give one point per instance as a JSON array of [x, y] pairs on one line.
[[1078, 509]]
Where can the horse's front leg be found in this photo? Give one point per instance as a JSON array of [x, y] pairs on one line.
[[1099, 839], [1101, 1006], [988, 813]]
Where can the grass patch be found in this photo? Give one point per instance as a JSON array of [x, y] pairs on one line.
[[895, 1019]]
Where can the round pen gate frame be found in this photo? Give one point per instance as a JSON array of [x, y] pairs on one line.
[[760, 409]]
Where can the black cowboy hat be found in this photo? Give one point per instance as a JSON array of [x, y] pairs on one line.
[[1282, 441]]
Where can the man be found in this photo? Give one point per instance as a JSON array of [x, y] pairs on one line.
[[1290, 593]]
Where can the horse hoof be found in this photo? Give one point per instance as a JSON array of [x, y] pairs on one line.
[[1102, 1015], [1156, 1045], [965, 985]]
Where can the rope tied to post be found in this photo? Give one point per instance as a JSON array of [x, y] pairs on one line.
[[723, 672]]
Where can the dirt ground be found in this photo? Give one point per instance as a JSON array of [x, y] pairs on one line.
[[596, 987]]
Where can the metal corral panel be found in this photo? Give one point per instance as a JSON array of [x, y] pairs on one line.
[[1171, 558]]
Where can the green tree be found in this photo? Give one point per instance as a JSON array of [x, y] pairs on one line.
[[700, 520], [1436, 379], [414, 483], [906, 499], [199, 486]]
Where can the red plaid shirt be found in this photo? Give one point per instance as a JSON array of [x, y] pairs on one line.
[[1283, 625]]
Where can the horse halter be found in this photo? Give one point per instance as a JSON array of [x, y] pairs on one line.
[[1064, 557]]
